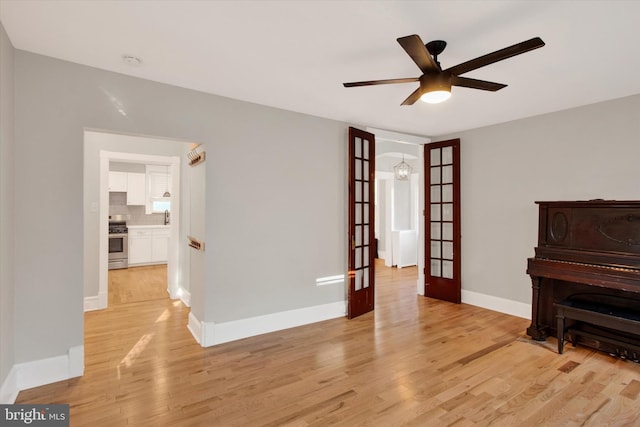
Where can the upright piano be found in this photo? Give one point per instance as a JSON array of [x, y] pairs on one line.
[[587, 250]]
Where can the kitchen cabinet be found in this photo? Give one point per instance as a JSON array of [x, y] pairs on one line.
[[139, 247], [160, 245], [148, 245], [136, 189], [117, 181]]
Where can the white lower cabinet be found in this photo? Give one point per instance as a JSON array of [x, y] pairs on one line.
[[148, 245], [160, 245]]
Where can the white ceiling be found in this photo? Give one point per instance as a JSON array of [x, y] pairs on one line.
[[295, 55]]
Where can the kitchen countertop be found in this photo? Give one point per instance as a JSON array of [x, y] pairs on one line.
[[148, 226]]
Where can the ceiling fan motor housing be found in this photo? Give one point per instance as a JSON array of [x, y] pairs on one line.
[[437, 81]]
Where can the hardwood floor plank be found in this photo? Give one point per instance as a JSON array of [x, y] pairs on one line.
[[631, 390]]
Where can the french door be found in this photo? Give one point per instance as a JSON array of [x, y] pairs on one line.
[[361, 216], [442, 220]]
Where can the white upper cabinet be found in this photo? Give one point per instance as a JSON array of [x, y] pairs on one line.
[[117, 181], [136, 189]]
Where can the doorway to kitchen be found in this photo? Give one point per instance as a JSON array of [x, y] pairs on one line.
[[150, 243]]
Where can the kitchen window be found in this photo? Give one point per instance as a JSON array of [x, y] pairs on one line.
[[158, 182]]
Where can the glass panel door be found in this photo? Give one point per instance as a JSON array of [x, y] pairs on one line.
[[442, 271], [361, 227]]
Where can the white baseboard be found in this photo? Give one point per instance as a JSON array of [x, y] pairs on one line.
[[98, 302], [40, 372], [185, 297], [76, 361], [502, 305], [9, 390], [210, 333], [195, 327]]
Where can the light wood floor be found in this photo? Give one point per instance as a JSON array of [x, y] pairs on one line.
[[414, 361], [136, 284]]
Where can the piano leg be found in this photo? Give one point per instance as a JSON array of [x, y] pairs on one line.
[[560, 317], [535, 330]]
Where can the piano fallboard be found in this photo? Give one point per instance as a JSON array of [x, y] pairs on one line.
[[607, 277]]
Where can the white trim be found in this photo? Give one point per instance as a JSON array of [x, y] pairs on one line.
[[402, 138], [98, 302], [91, 303], [502, 305], [195, 327], [9, 390], [210, 333], [44, 371], [173, 293], [422, 226], [185, 296], [76, 361]]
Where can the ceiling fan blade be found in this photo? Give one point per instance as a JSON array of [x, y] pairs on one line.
[[496, 56], [382, 82], [416, 49], [411, 99], [476, 84]]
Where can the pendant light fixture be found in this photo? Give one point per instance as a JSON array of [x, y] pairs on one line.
[[402, 170], [166, 193]]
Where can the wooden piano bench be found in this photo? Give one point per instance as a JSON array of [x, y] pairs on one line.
[[612, 316]]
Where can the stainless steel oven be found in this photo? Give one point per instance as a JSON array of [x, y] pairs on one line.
[[118, 245]]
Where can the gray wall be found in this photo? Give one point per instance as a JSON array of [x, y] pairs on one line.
[[7, 220], [269, 232], [579, 154]]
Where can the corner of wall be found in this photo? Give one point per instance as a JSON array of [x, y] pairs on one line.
[[46, 371], [9, 388], [27, 375], [98, 302]]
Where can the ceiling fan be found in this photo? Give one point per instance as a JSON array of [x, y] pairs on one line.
[[435, 83]]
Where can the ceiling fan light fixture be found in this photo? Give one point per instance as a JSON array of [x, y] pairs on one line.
[[436, 96], [436, 88]]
